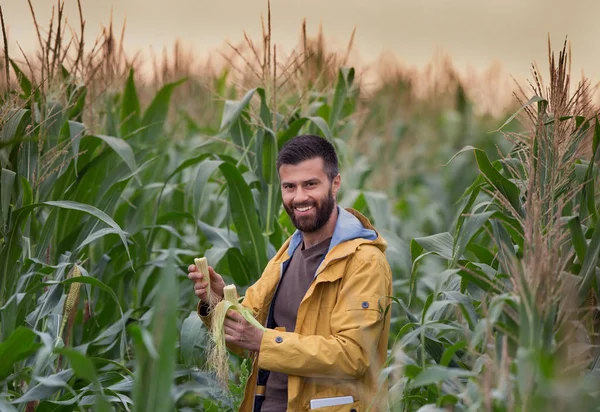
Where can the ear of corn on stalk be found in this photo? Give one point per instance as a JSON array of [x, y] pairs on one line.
[[218, 357], [72, 298]]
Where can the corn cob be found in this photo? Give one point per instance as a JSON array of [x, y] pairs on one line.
[[72, 298], [218, 358], [202, 267]]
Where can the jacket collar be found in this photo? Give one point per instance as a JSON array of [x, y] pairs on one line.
[[351, 230]]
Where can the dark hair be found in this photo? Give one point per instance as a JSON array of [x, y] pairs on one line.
[[307, 147]]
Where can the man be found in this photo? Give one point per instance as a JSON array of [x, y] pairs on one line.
[[320, 296]]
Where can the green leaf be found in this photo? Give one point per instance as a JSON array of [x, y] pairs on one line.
[[130, 108], [533, 100], [466, 305], [193, 333], [5, 406], [7, 180], [588, 198], [506, 249], [437, 374], [233, 109], [196, 189], [81, 364], [441, 244], [472, 225], [483, 254], [121, 148], [265, 113], [94, 282], [16, 347], [24, 82], [95, 236], [269, 194], [155, 115], [245, 218], [15, 124], [508, 189], [292, 131], [97, 213], [451, 350], [588, 267], [577, 237], [84, 368], [322, 125], [76, 103], [342, 87], [239, 268], [154, 377]]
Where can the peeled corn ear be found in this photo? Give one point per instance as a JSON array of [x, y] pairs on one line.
[[218, 357], [202, 266]]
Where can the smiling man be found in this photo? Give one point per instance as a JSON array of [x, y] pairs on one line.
[[321, 298]]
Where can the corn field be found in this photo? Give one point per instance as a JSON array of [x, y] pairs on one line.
[[112, 182]]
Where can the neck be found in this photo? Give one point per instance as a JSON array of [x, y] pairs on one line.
[[316, 237]]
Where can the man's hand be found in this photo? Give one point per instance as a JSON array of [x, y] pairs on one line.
[[241, 333], [201, 285]]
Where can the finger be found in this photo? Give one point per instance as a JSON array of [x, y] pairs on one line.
[[195, 276], [213, 275], [234, 327], [234, 336], [200, 285], [235, 316], [230, 339], [228, 330], [192, 268], [230, 324]]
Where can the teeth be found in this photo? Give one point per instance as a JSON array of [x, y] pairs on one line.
[[304, 209]]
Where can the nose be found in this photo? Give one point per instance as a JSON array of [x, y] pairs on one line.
[[300, 196]]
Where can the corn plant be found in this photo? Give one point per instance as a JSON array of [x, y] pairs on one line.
[[512, 322]]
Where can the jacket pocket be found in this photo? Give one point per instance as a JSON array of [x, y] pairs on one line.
[[350, 407]]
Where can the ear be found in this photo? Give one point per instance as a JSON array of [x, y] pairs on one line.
[[335, 184]]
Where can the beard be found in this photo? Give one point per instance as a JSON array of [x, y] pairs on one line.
[[312, 223]]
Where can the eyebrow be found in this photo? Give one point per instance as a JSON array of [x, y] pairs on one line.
[[312, 180]]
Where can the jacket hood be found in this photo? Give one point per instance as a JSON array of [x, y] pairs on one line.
[[351, 225]]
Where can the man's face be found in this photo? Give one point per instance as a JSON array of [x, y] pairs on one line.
[[308, 195]]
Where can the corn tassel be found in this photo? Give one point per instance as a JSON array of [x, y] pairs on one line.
[[202, 267], [218, 358]]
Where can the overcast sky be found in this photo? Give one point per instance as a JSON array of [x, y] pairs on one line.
[[473, 32]]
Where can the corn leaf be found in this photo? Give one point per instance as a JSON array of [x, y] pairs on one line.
[[7, 180], [16, 347], [588, 267], [155, 116], [193, 334], [130, 108], [154, 376], [245, 219]]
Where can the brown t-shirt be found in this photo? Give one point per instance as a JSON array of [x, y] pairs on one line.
[[294, 284]]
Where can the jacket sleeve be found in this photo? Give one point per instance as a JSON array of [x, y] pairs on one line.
[[356, 325]]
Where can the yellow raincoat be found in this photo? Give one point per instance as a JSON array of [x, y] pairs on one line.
[[340, 341]]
